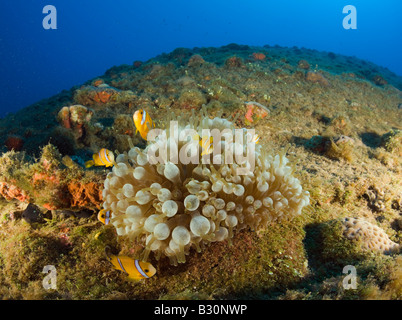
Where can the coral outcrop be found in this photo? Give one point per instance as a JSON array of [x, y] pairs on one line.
[[303, 64], [173, 207], [317, 77], [259, 56], [75, 117], [47, 183], [10, 191], [85, 195], [255, 111], [371, 236], [90, 95]]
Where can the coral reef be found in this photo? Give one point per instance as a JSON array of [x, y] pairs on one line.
[[338, 126], [10, 191], [341, 128]]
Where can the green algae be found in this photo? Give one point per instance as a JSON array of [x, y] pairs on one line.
[[83, 271], [392, 141], [340, 151], [337, 249]]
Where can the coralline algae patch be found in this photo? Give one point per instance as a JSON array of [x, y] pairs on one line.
[[48, 182]]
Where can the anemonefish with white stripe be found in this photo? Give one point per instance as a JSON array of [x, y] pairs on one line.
[[143, 123], [135, 269], [206, 143], [256, 138], [104, 216], [252, 138], [104, 157]]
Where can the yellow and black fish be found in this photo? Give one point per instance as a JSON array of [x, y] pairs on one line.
[[256, 138], [206, 143], [104, 157], [135, 269], [104, 216], [143, 122]]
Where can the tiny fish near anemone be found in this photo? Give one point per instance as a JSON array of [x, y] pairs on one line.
[[104, 157], [206, 143], [135, 269], [104, 216], [143, 123], [256, 138]]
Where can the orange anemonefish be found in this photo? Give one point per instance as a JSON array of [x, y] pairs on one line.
[[256, 138], [135, 269], [143, 123], [104, 216], [206, 143], [104, 157], [252, 137]]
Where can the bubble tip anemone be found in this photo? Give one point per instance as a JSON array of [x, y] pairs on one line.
[[178, 206]]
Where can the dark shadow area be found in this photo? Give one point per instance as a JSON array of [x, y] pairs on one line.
[[371, 139], [322, 118], [299, 141], [316, 144], [313, 246]]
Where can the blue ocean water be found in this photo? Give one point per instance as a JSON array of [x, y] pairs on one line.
[[92, 36]]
